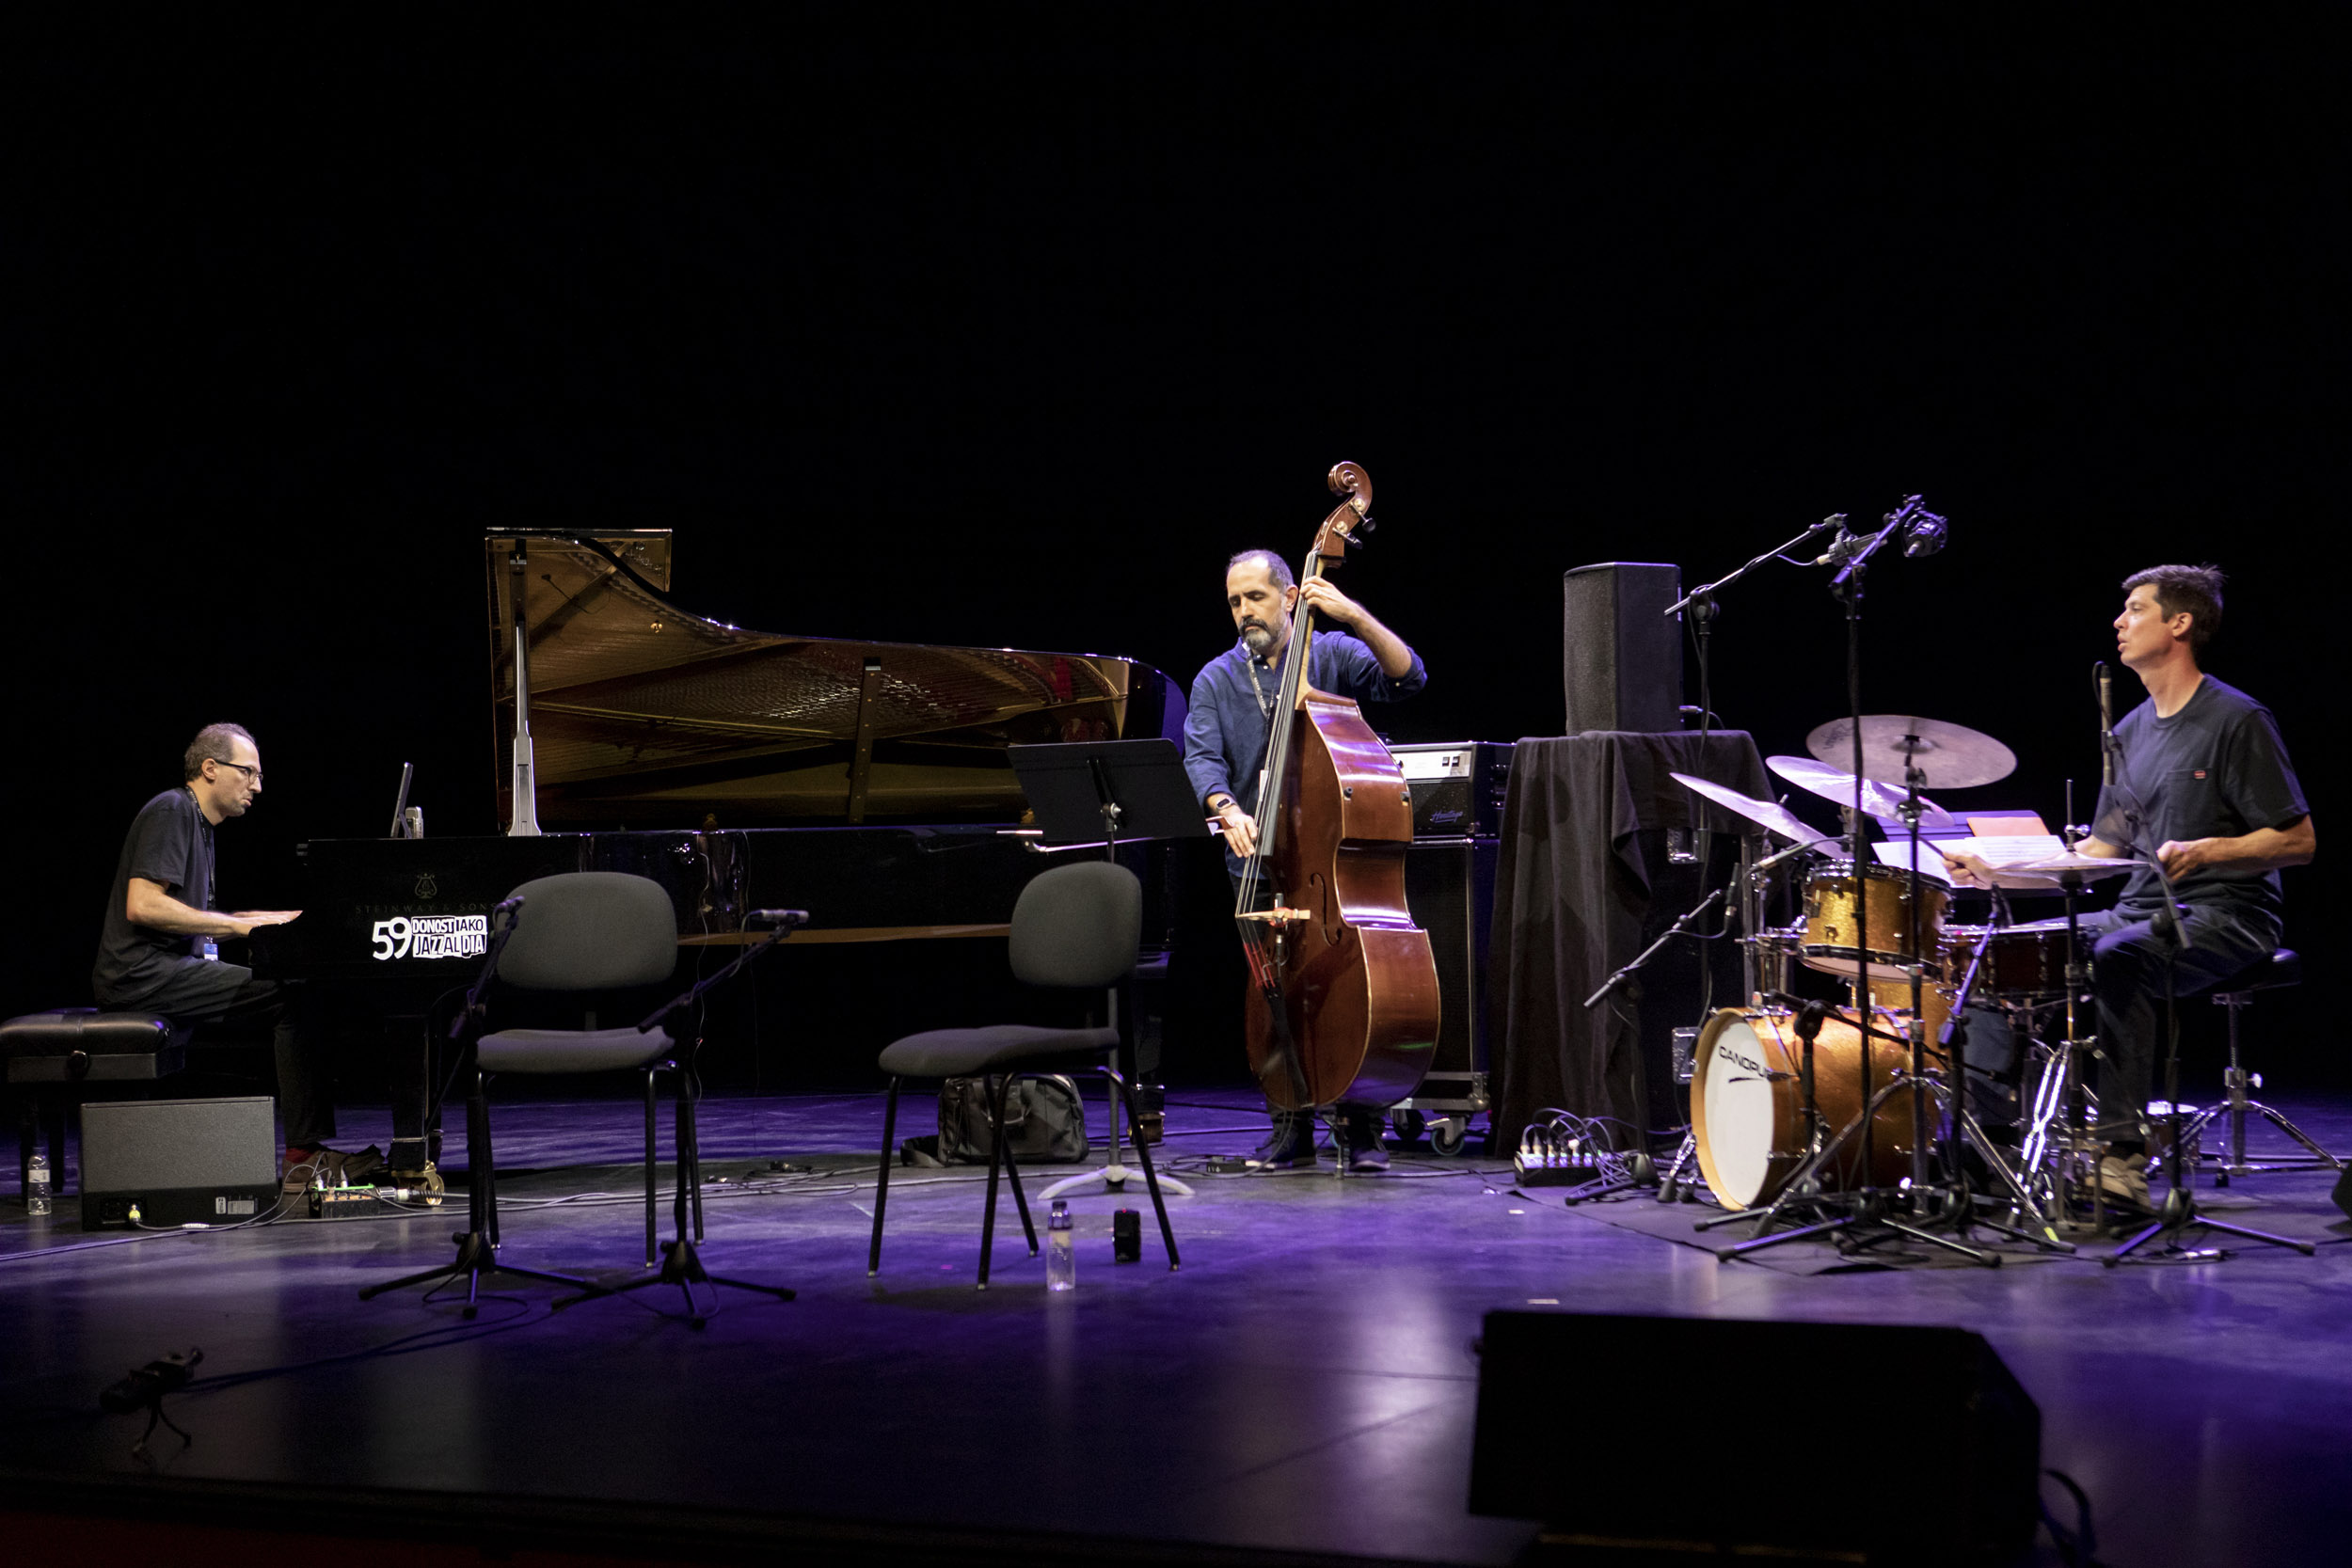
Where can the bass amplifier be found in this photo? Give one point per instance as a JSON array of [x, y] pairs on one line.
[[1457, 786], [178, 1161]]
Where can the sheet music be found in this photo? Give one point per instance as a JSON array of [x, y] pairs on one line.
[[2004, 849]]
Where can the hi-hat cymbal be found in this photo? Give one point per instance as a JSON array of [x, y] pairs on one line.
[[2090, 867], [1949, 755], [1833, 785], [1765, 814]]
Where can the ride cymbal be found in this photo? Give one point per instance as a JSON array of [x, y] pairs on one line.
[[1949, 756]]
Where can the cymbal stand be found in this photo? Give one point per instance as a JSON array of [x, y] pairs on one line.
[[2180, 1204]]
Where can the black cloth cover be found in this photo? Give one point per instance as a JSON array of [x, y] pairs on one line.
[[1571, 896]]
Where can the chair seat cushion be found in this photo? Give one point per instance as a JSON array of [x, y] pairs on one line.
[[571, 1050], [954, 1052], [66, 1030]]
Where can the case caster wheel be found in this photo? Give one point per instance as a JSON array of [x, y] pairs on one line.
[[1448, 1136], [1407, 1126]]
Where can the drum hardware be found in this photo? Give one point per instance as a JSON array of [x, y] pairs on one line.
[[1926, 752]]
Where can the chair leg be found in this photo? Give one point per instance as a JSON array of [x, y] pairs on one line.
[[1020, 1199], [652, 1248], [1151, 1177], [997, 1151], [882, 1180]]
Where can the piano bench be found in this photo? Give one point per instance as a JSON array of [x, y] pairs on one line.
[[52, 1055]]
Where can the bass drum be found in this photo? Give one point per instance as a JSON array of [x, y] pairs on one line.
[[1747, 1103]]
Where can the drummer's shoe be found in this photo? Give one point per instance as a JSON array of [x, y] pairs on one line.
[[2124, 1179], [1292, 1143]]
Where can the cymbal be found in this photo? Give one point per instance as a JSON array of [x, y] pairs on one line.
[[1833, 785], [1764, 814], [1949, 756]]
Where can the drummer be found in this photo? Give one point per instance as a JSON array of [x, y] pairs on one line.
[[2203, 787]]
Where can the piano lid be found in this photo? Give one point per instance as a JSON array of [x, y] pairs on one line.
[[646, 715]]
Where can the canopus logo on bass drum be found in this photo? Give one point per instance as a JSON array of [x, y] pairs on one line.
[[452, 936]]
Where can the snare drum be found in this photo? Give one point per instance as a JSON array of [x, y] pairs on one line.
[[2025, 963], [1747, 1105], [1833, 945]]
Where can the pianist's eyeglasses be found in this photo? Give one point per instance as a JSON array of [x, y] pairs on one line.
[[246, 767]]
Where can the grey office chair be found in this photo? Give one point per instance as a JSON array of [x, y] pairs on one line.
[[584, 931], [1076, 928]]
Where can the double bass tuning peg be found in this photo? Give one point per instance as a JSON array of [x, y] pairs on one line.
[[1360, 534]]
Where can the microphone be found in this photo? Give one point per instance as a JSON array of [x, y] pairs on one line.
[[1928, 533], [1842, 548], [790, 919], [2106, 721]]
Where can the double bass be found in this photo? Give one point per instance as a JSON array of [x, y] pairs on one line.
[[1343, 1005]]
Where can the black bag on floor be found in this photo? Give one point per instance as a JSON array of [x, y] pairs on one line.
[[1044, 1120]]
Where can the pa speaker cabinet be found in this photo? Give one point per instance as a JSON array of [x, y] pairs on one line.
[[178, 1161], [1621, 654], [1976, 1501]]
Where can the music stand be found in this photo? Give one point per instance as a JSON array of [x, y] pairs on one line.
[[1111, 792]]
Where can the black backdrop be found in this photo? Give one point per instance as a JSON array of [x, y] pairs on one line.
[[949, 332]]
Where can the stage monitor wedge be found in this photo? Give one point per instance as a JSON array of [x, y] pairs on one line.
[[1567, 1402], [1620, 652], [178, 1161]]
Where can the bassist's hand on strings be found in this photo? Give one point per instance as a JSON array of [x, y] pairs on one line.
[[1240, 829]]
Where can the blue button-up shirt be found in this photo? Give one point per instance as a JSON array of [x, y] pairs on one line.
[[1225, 730]]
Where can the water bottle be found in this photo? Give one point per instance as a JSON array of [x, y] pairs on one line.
[[37, 1186], [1061, 1252]]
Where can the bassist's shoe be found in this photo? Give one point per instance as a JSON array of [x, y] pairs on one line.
[[1289, 1145]]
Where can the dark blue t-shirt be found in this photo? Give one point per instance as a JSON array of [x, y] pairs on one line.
[[171, 843], [2215, 769], [1225, 730]]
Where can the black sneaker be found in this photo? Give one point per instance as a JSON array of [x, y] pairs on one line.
[[1291, 1144], [1360, 1135]]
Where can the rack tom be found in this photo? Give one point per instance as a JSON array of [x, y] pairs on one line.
[[1833, 942]]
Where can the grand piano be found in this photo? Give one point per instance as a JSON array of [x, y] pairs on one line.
[[866, 782]]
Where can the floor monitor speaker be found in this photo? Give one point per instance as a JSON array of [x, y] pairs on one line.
[[1554, 1441], [177, 1162], [1621, 654]]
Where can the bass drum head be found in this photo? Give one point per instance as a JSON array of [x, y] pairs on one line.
[[1734, 1110]]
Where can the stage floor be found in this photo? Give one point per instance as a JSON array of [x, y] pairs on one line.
[[1305, 1385]]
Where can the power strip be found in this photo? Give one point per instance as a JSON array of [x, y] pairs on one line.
[[1555, 1168]]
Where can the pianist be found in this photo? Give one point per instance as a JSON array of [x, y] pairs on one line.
[[156, 952]]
